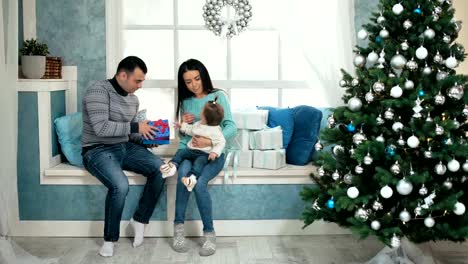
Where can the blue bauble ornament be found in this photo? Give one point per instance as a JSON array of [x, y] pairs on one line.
[[417, 11], [351, 127], [390, 150], [331, 204], [421, 93], [378, 39]]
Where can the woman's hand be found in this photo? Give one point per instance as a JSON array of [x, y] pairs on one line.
[[201, 142], [188, 118]]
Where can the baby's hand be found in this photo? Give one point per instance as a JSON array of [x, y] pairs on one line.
[[212, 156], [177, 124]]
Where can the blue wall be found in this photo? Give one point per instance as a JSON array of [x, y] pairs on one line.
[[75, 30]]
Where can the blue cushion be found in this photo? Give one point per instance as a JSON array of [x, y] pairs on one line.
[[283, 117], [69, 129], [306, 129]]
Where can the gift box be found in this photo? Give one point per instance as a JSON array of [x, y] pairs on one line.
[[244, 158], [269, 159], [271, 138], [241, 141], [162, 135], [250, 119]]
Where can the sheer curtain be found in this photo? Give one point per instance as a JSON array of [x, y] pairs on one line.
[[323, 34]]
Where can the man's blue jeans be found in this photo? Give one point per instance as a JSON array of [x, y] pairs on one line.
[[106, 163], [202, 195], [198, 158]]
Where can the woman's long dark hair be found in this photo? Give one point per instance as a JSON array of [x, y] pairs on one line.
[[182, 91]]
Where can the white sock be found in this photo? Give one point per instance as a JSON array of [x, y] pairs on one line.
[[107, 249], [192, 180], [138, 230]]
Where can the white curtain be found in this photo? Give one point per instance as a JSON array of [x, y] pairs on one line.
[[323, 34]]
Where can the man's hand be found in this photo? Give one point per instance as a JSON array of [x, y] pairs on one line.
[[212, 156], [188, 118], [146, 130], [201, 142]]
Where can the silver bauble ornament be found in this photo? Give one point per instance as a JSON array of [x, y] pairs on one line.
[[435, 17], [455, 92], [428, 153], [338, 150], [439, 130], [404, 45], [369, 97], [412, 65], [401, 142], [441, 75], [321, 171], [395, 242], [451, 62], [343, 83], [378, 87], [354, 82], [389, 114], [375, 225], [423, 190], [465, 111], [440, 168], [453, 165], [421, 53], [358, 138], [397, 126], [465, 166], [429, 33], [361, 214], [380, 120], [407, 24], [372, 57], [429, 221], [352, 192], [362, 34], [348, 178], [455, 123], [459, 208], [448, 184], [359, 60], [368, 159], [404, 187], [437, 9], [398, 61], [354, 104], [395, 168], [446, 39], [413, 141], [380, 139], [418, 210], [405, 216], [427, 70], [384, 33], [358, 169], [377, 206], [318, 146], [409, 85], [351, 151], [439, 99], [336, 175], [380, 19], [331, 121], [397, 9], [429, 118], [386, 192], [438, 58], [396, 91]]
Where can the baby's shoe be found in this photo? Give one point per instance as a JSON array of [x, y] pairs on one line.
[[189, 182], [168, 170]]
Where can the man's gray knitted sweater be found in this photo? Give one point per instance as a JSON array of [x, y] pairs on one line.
[[108, 114]]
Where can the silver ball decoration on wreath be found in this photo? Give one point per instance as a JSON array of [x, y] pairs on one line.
[[395, 242], [439, 99], [354, 104], [435, 17], [377, 206], [455, 123], [321, 171], [423, 190], [222, 26], [318, 146], [331, 121], [421, 53], [429, 221], [405, 216], [361, 214], [395, 168], [455, 92], [375, 225], [401, 141], [429, 118], [453, 165], [440, 168], [397, 126], [407, 24], [427, 70], [404, 187], [429, 33], [409, 85], [404, 45], [398, 61]]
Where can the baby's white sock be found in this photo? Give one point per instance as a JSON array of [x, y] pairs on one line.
[[107, 249], [192, 181], [138, 230]]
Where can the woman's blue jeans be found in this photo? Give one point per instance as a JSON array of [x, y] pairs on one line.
[[106, 163], [202, 195]]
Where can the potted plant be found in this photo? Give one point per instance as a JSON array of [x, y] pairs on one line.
[[33, 58]]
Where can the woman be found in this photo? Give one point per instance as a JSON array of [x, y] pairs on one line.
[[194, 90]]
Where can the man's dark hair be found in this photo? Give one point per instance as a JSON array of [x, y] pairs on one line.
[[213, 112], [129, 64]]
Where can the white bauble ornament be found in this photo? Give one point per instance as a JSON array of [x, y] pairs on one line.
[[397, 9], [395, 168], [361, 214], [455, 123], [354, 82], [428, 153], [423, 191], [359, 60], [354, 104], [440, 168], [459, 208], [375, 225], [404, 45], [338, 150], [438, 58], [336, 175], [352, 192], [384, 33], [348, 178], [453, 165], [321, 171], [389, 114], [429, 221], [465, 166], [397, 126], [427, 70], [398, 61], [412, 65], [386, 192], [413, 141], [421, 53], [358, 169], [372, 57], [439, 130], [439, 99], [446, 39], [377, 205], [455, 92], [358, 138], [368, 159], [429, 33], [380, 19], [407, 24], [369, 97], [380, 139], [378, 87], [418, 210], [451, 62], [448, 184], [409, 85], [404, 187], [343, 83], [401, 141], [380, 120], [441, 75], [362, 34], [396, 91], [405, 216]]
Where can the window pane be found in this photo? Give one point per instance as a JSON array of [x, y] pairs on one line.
[[155, 47], [295, 97], [248, 98], [208, 48], [191, 12], [255, 56], [148, 12], [159, 104]]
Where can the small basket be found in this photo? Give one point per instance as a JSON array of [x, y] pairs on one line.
[[53, 68]]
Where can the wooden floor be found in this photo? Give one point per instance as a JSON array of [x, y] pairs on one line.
[[262, 250]]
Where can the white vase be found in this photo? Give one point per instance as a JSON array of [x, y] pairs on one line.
[[33, 67]]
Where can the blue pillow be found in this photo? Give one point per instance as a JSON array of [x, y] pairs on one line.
[[69, 129], [306, 129], [283, 117]]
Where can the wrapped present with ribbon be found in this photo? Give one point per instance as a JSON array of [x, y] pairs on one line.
[[244, 159], [162, 135], [241, 141], [270, 138], [269, 159], [250, 119]]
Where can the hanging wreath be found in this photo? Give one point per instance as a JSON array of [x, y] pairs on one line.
[[222, 26]]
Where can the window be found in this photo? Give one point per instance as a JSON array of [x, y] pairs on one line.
[[261, 66]]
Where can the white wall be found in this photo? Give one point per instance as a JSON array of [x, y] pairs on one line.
[[461, 13]]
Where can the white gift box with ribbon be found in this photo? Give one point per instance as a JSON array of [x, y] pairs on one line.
[[270, 138], [241, 141], [269, 159], [245, 159], [250, 119]]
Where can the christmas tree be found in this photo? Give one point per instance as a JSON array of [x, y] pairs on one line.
[[396, 162]]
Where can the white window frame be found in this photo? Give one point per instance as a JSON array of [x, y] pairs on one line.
[[114, 28]]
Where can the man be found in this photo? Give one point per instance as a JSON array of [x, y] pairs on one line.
[[110, 145]]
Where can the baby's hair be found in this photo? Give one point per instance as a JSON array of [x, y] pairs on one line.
[[213, 112]]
